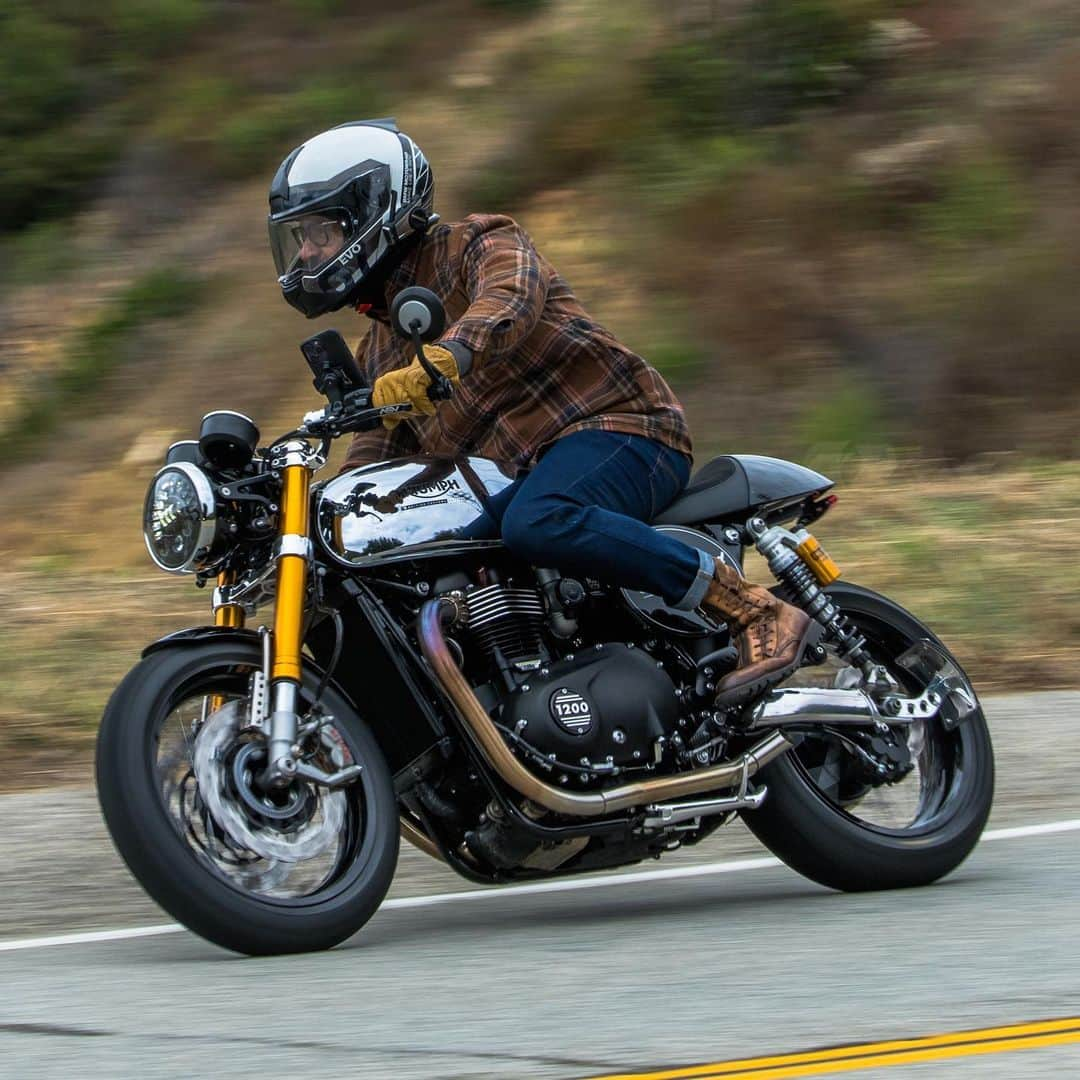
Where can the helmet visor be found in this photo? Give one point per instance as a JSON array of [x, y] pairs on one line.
[[309, 238], [309, 242]]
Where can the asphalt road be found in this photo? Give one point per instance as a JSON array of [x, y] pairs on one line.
[[625, 976]]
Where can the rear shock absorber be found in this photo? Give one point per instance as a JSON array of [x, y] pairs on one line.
[[784, 552]]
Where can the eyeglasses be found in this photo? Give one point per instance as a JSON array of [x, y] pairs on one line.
[[320, 232]]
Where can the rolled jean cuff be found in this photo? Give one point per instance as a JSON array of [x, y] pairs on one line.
[[700, 585]]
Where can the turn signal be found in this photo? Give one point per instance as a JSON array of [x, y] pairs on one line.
[[818, 559]]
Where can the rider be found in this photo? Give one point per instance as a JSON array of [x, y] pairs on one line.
[[598, 437]]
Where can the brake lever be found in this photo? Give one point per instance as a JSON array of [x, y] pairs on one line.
[[441, 387]]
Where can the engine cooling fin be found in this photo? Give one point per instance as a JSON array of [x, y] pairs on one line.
[[508, 619]]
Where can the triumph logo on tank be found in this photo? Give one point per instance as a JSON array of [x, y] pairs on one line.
[[571, 711], [429, 491]]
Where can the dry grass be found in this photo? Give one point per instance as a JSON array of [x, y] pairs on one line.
[[983, 555]]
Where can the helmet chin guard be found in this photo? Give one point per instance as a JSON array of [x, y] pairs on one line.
[[339, 204]]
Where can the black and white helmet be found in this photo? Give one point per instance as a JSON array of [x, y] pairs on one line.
[[339, 204]]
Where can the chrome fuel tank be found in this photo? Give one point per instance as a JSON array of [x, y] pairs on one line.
[[408, 507]]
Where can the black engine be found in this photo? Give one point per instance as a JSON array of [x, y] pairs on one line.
[[593, 712]]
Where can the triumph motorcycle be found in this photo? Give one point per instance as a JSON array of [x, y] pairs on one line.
[[516, 722]]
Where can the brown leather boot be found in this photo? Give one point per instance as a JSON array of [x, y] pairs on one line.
[[771, 636]]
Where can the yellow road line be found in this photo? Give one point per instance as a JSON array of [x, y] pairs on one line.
[[837, 1059]]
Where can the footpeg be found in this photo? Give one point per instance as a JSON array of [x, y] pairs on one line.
[[665, 815]]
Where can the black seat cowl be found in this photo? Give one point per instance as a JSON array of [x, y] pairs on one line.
[[737, 486]]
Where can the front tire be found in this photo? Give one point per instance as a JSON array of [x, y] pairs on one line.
[[819, 832], [184, 864]]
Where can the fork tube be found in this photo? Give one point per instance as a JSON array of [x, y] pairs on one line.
[[293, 548], [291, 573]]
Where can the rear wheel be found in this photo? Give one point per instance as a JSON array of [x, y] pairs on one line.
[[830, 818], [254, 870]]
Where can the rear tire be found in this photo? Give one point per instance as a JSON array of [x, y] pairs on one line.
[[176, 875], [824, 842]]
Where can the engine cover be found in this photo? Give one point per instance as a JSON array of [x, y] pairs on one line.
[[607, 704]]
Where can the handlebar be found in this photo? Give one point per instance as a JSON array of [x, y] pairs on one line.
[[350, 412]]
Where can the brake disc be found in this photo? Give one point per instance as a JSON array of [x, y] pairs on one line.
[[292, 844]]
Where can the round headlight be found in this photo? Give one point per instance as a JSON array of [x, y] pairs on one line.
[[179, 522]]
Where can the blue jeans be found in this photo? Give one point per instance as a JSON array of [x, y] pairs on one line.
[[584, 507]]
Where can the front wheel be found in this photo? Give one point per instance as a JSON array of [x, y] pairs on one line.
[[832, 821], [259, 871]]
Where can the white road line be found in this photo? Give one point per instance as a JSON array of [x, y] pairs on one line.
[[88, 937], [561, 885], [1031, 830]]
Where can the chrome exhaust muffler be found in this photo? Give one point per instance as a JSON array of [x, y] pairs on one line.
[[578, 804], [813, 705], [837, 707]]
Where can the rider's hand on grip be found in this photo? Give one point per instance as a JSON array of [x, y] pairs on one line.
[[409, 385]]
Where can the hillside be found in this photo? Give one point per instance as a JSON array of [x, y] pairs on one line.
[[847, 231]]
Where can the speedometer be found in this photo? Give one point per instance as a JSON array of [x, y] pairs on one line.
[[179, 518]]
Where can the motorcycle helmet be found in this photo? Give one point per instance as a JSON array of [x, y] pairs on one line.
[[340, 204]]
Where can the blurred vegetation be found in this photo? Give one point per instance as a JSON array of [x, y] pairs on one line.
[[95, 350], [777, 59], [848, 231], [66, 69]]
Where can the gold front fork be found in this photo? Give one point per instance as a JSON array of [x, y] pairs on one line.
[[294, 547], [291, 572]]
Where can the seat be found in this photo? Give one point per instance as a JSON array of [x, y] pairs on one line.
[[718, 489]]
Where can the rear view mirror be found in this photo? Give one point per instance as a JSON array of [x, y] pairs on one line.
[[418, 311]]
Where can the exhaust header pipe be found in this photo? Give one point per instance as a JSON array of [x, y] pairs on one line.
[[591, 804]]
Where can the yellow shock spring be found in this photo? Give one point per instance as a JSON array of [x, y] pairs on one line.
[[291, 575]]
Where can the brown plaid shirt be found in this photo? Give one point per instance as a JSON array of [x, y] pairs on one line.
[[541, 367]]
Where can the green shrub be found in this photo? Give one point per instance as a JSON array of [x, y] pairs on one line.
[[515, 7], [96, 350], [316, 7], [677, 358], [776, 58], [846, 421], [668, 171], [980, 202], [52, 172], [37, 253], [153, 27], [38, 70], [267, 129]]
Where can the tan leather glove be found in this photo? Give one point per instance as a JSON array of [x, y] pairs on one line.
[[409, 385]]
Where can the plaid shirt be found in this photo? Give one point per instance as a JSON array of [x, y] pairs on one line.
[[541, 367]]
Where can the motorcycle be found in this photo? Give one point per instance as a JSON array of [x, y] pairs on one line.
[[514, 722]]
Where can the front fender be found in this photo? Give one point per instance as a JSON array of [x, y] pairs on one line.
[[194, 635], [198, 635], [402, 740]]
